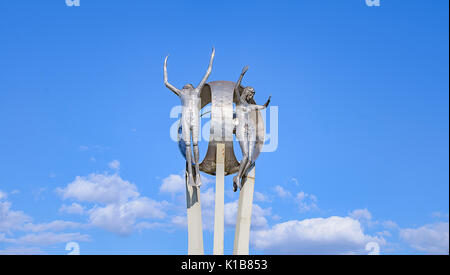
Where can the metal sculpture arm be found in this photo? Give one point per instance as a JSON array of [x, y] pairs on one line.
[[166, 82], [261, 107], [208, 72], [238, 83]]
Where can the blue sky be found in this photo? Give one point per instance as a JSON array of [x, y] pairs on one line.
[[363, 130]]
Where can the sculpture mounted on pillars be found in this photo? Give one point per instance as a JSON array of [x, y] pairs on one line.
[[247, 123]]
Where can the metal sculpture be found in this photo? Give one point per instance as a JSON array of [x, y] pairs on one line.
[[248, 126], [191, 102], [245, 129]]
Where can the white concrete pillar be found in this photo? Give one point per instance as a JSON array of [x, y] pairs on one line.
[[194, 220], [244, 214], [219, 200]]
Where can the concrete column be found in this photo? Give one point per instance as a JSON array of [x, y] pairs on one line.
[[219, 200], [194, 220], [244, 214]]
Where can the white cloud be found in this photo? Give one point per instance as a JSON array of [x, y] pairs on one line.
[[115, 164], [258, 219], [57, 225], [390, 224], [2, 195], [118, 204], [10, 219], [306, 202], [384, 233], [99, 188], [96, 148], [50, 238], [149, 225], [3, 237], [361, 214], [430, 238], [230, 212], [276, 217], [21, 251], [180, 221], [283, 193], [333, 235], [439, 215], [74, 208], [38, 193], [121, 218], [206, 180], [208, 198], [260, 197], [172, 184]]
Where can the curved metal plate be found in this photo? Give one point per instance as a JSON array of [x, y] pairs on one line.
[[221, 95]]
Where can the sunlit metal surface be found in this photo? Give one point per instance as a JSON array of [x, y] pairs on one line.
[[221, 96]]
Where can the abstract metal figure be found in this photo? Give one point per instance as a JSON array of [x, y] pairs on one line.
[[191, 105], [245, 129]]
